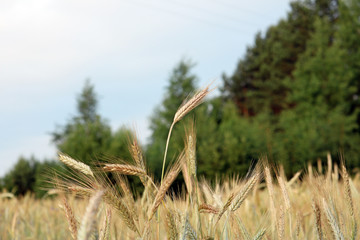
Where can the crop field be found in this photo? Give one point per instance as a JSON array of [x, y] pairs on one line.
[[317, 206]]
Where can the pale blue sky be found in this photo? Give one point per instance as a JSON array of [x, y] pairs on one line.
[[127, 48]]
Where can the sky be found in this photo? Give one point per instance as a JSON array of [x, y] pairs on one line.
[[127, 48]]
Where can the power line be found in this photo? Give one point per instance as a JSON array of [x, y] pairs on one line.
[[188, 16], [212, 13], [236, 7]]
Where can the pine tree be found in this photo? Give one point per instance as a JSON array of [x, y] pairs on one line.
[[87, 136], [257, 84], [321, 121]]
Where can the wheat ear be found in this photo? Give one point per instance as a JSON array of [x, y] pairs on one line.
[[317, 213], [329, 170], [281, 223], [349, 200], [172, 232], [137, 155], [112, 199], [347, 191], [319, 166], [125, 169], [240, 197], [190, 146], [187, 177], [104, 232], [284, 193], [188, 231], [82, 167], [207, 208], [244, 231], [260, 234], [225, 207], [170, 177], [332, 221], [80, 190], [89, 218], [270, 188], [70, 218], [294, 178]]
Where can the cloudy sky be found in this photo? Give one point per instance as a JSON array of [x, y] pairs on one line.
[[126, 47]]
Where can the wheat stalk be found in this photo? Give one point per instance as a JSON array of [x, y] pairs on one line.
[[195, 101]]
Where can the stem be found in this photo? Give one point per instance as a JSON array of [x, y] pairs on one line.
[[197, 207], [151, 181], [166, 148]]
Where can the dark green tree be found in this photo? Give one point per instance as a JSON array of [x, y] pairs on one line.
[[258, 83], [87, 136], [21, 178], [322, 120], [348, 39], [44, 176]]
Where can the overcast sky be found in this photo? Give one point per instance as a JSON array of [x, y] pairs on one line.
[[126, 47]]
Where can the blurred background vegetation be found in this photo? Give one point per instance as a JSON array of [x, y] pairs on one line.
[[293, 97]]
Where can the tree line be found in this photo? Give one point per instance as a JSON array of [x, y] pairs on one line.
[[293, 97]]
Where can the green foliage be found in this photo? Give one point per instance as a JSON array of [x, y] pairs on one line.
[[323, 119], [257, 84], [21, 177], [44, 176], [31, 175], [87, 135]]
